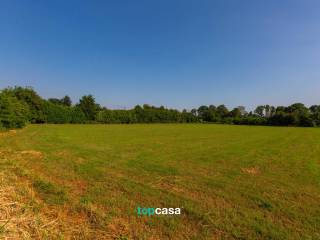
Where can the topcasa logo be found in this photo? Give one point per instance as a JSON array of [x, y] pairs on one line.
[[158, 211]]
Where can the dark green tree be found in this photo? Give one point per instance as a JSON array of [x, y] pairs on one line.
[[66, 100], [32, 99], [54, 101], [222, 111], [235, 113], [13, 113], [88, 106], [259, 111]]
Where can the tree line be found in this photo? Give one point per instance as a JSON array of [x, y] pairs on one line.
[[22, 105]]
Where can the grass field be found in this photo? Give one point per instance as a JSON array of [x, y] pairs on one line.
[[231, 182]]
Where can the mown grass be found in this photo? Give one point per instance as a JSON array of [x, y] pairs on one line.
[[232, 182]]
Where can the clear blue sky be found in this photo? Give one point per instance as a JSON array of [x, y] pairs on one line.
[[177, 53]]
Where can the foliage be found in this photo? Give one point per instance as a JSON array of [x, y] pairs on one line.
[[21, 105], [77, 116], [89, 107], [13, 113], [66, 101], [116, 116], [32, 99], [56, 113]]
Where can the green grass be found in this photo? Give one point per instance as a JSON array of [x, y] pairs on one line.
[[232, 182]]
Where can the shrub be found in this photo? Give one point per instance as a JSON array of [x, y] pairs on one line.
[[56, 113], [13, 113], [31, 98], [77, 115]]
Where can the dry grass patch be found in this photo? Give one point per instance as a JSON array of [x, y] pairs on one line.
[[25, 215], [8, 133], [19, 216], [251, 171], [32, 153]]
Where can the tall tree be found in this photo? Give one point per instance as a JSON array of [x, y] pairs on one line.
[[54, 100], [259, 111], [222, 111], [203, 113], [88, 106], [66, 100], [235, 113], [242, 110], [13, 113], [32, 99]]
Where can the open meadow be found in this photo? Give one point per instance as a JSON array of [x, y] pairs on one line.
[[231, 182]]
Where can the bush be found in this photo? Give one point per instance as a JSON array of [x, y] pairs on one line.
[[28, 96], [250, 120], [56, 113], [116, 116], [77, 115], [13, 113], [281, 119]]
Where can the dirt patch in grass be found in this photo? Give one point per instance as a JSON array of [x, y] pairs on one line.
[[32, 153], [77, 187], [8, 133], [119, 228], [251, 171], [169, 183]]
